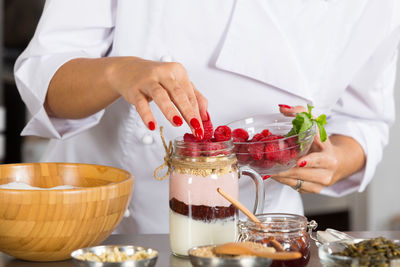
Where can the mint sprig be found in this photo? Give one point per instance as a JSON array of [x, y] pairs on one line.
[[304, 121]]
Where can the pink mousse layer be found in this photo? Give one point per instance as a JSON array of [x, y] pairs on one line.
[[199, 190]]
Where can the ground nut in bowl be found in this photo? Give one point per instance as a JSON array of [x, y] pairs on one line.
[[376, 252], [272, 152], [47, 225], [113, 256]]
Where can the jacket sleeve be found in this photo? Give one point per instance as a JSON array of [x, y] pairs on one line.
[[366, 111], [67, 29]]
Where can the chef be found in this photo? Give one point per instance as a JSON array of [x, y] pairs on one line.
[[100, 76]]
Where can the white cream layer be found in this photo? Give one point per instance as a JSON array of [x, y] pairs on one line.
[[186, 233]]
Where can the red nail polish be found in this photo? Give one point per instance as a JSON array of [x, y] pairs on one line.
[[284, 106], [303, 163], [265, 177], [177, 120], [152, 125], [199, 134], [195, 123]]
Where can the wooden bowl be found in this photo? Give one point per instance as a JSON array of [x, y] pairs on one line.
[[47, 225]]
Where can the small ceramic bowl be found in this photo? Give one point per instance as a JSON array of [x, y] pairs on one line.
[[249, 261], [128, 250]]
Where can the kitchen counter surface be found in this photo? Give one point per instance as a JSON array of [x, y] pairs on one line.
[[160, 242]]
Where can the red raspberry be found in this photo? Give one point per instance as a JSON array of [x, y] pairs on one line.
[[256, 150], [214, 149], [257, 137], [284, 153], [272, 151], [187, 137], [264, 164], [240, 135], [208, 128], [266, 132], [292, 141], [242, 153], [192, 150], [222, 133], [293, 153]]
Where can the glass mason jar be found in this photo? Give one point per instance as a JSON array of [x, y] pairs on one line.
[[199, 215], [285, 231]]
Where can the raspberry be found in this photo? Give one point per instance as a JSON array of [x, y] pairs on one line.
[[242, 153], [208, 128], [266, 132], [292, 141], [272, 151], [214, 149], [187, 137], [222, 133], [293, 153], [257, 137], [264, 164], [192, 150], [256, 150], [240, 135]]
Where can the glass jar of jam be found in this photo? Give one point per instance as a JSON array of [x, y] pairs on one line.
[[288, 232]]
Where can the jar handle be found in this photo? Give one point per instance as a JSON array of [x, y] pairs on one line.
[[259, 184]]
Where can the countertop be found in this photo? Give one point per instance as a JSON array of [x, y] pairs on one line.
[[160, 242]]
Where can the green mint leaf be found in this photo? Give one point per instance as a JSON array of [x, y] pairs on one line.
[[321, 119], [322, 132], [304, 121], [309, 109], [307, 122]]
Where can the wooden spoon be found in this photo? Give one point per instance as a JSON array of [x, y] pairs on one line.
[[243, 248], [249, 214]]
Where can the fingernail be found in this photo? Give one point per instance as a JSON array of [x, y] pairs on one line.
[[303, 163], [265, 177], [199, 134], [177, 120], [195, 123], [152, 125], [284, 106]]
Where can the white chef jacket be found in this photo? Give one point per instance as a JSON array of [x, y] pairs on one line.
[[245, 56]]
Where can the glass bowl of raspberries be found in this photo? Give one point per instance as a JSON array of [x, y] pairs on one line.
[[262, 142]]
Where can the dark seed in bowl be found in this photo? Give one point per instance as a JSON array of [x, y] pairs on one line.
[[372, 252]]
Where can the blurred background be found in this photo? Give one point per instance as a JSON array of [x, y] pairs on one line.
[[375, 209]]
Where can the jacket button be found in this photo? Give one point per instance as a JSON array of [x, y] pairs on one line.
[[166, 58], [147, 139]]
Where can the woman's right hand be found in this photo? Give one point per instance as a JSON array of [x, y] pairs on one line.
[[140, 81]]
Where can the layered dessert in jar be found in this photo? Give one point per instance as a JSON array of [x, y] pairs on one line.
[[198, 214]]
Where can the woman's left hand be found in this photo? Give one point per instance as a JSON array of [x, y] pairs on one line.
[[326, 162]]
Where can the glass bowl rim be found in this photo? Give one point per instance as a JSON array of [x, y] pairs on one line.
[[309, 132]]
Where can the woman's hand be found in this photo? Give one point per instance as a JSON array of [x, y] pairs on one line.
[[167, 84], [326, 163], [83, 86]]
